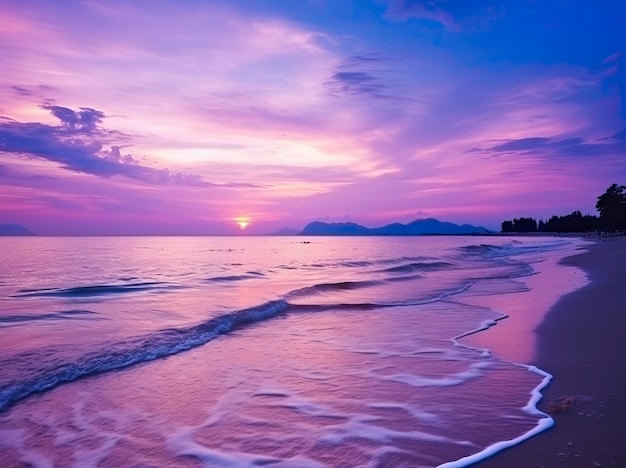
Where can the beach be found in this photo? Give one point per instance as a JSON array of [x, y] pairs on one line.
[[580, 342]]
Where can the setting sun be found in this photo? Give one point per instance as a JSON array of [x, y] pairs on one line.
[[242, 222]]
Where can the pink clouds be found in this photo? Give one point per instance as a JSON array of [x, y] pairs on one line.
[[202, 112]]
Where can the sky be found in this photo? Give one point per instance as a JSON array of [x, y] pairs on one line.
[[192, 117]]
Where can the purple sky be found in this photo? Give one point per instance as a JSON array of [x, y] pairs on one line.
[[185, 116]]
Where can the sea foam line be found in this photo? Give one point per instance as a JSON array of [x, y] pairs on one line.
[[161, 344], [543, 423]]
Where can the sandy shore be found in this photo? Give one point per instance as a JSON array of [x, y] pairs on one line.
[[582, 343]]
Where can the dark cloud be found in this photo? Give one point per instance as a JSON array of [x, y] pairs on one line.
[[526, 144], [521, 144], [362, 60], [23, 91], [78, 145], [84, 120], [33, 92], [614, 145], [367, 75], [354, 83], [568, 142], [361, 75]]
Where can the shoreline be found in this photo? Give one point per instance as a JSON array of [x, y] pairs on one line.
[[580, 342]]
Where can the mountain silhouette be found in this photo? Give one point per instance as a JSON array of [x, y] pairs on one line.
[[429, 226]]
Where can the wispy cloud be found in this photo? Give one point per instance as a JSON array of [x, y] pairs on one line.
[[612, 146], [369, 75], [352, 83], [451, 14], [23, 91]]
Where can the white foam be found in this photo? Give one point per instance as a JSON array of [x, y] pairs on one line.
[[359, 427], [417, 413], [291, 400], [543, 424], [181, 442], [184, 445], [475, 370]]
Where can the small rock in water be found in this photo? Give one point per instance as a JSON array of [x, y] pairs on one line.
[[570, 443], [596, 464]]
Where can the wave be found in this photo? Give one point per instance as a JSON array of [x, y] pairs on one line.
[[329, 287], [98, 290], [514, 248], [365, 263], [48, 370], [413, 267], [60, 315], [126, 353], [225, 279], [484, 248], [312, 308]]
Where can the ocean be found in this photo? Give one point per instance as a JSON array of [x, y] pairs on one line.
[[261, 351]]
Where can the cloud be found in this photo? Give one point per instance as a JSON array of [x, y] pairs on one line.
[[360, 75], [402, 10], [451, 14], [522, 144], [85, 120], [23, 91], [351, 83], [613, 145], [28, 93], [78, 145], [363, 59]]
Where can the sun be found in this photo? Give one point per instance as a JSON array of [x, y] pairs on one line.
[[242, 222]]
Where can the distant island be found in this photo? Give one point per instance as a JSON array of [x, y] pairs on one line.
[[14, 230], [420, 227]]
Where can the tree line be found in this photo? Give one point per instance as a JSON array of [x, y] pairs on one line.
[[611, 206]]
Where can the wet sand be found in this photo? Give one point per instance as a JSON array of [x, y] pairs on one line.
[[582, 343]]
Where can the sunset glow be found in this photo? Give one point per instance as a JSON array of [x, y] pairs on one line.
[[125, 118]]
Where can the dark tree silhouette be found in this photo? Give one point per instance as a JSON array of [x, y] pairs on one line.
[[574, 222], [541, 226], [507, 226], [525, 225], [612, 207], [520, 225]]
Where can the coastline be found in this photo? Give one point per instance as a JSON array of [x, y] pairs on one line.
[[580, 342]]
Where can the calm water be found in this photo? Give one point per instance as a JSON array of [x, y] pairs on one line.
[[258, 351]]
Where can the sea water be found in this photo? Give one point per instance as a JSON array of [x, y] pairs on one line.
[[254, 351]]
